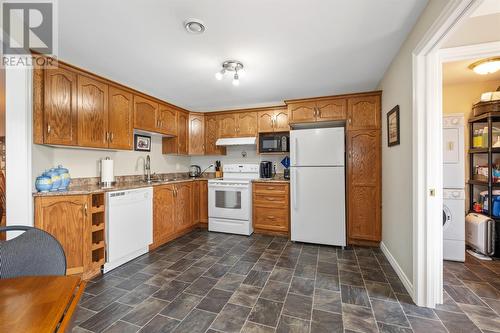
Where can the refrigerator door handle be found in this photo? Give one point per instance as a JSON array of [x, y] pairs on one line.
[[295, 152], [294, 187]]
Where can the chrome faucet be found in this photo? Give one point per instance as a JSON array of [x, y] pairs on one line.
[[147, 168]]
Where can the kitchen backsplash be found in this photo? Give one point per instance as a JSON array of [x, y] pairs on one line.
[[84, 163], [234, 155]]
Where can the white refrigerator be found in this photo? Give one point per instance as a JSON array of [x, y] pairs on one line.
[[318, 186]]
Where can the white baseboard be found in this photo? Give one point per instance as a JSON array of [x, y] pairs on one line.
[[402, 276]]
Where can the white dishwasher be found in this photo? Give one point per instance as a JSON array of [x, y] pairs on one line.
[[129, 225]]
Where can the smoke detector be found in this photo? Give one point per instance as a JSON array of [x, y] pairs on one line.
[[194, 26]]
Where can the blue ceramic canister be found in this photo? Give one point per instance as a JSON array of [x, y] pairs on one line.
[[43, 183], [56, 180], [65, 177]]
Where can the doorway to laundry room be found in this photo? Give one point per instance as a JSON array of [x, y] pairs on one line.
[[470, 155], [471, 166]]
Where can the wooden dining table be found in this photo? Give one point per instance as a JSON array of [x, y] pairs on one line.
[[39, 303]]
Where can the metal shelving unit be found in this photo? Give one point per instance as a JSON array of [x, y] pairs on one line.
[[487, 119]]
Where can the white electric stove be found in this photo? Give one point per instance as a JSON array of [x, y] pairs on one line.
[[230, 199]]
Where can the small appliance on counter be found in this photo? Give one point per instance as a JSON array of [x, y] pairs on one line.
[[480, 235], [107, 173], [274, 142], [286, 163], [194, 171], [266, 169]]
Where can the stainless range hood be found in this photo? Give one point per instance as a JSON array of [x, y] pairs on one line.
[[237, 141]]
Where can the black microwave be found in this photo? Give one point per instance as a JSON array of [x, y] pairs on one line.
[[274, 142]]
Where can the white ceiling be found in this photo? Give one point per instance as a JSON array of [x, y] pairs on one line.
[[457, 72], [290, 48]]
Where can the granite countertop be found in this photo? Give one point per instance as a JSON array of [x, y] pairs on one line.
[[275, 179], [81, 187]]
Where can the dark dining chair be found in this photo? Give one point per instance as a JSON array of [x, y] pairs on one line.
[[32, 253]]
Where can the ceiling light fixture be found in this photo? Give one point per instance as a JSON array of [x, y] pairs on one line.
[[194, 26], [231, 66], [486, 66]]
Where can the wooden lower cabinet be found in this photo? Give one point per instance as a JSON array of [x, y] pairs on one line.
[[77, 222], [364, 187], [196, 201], [203, 201], [163, 214], [172, 211], [271, 207]]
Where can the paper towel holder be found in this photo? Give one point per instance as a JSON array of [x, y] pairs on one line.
[[106, 184]]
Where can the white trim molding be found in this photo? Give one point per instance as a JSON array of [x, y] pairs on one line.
[[427, 157], [399, 271]]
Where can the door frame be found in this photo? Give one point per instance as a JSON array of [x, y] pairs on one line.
[[428, 58]]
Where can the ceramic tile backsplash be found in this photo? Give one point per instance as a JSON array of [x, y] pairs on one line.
[[234, 155]]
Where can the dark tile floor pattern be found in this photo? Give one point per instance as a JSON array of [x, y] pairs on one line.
[[211, 282]]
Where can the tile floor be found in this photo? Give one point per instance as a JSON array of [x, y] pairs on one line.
[[210, 282]]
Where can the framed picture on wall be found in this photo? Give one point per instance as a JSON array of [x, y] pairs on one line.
[[142, 142], [393, 134]]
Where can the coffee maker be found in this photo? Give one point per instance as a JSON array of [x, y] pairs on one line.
[[266, 169]]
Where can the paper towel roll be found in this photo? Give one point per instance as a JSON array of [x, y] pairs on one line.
[[107, 172]]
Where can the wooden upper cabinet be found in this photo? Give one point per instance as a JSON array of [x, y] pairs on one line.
[[182, 132], [211, 136], [281, 121], [330, 110], [302, 112], [164, 216], [273, 120], [167, 120], [120, 124], [227, 125], [247, 124], [265, 121], [363, 185], [196, 134], [67, 219], [364, 112], [184, 209], [145, 114], [92, 113], [60, 107]]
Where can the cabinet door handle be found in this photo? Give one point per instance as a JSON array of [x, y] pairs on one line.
[[271, 217], [107, 137], [85, 209], [350, 154], [349, 121], [319, 112], [111, 136], [48, 128]]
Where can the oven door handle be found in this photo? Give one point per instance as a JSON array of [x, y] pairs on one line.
[[228, 187]]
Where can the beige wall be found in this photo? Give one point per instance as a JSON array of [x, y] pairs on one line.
[[459, 97], [397, 161], [85, 162], [476, 30]]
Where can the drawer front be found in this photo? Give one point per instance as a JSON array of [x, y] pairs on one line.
[[271, 219], [268, 200], [272, 189]]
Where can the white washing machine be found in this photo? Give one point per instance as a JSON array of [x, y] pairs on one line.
[[454, 224], [453, 152]]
